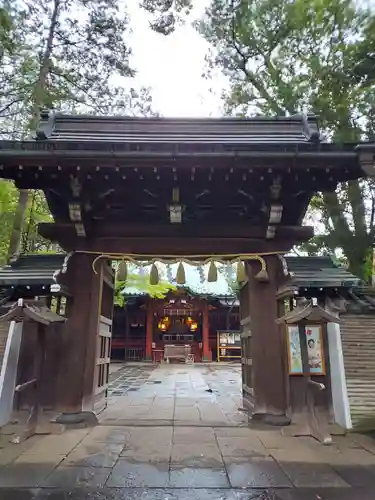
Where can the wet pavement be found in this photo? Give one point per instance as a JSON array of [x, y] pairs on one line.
[[186, 494], [176, 394], [166, 451]]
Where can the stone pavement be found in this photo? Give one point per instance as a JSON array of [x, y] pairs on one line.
[[182, 442], [176, 394], [186, 462]]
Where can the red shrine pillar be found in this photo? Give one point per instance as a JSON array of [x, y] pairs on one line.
[[206, 356], [149, 331]]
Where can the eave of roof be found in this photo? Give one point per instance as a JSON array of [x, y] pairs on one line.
[[121, 136], [296, 128]]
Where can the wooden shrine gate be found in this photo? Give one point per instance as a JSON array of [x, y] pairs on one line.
[[142, 188]]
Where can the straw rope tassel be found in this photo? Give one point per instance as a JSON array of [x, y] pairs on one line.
[[122, 271], [241, 272], [180, 276], [263, 274], [212, 273], [154, 275]]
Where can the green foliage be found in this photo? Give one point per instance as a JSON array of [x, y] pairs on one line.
[[142, 284], [284, 56], [8, 203], [229, 275], [72, 56], [166, 14], [37, 211]]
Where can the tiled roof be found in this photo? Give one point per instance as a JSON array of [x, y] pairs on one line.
[[291, 129], [308, 272], [320, 272], [32, 270]]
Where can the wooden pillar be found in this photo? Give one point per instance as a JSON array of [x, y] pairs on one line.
[[206, 334], [268, 376], [149, 330], [75, 377]]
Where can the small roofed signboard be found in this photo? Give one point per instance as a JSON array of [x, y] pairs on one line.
[[315, 351], [228, 345]]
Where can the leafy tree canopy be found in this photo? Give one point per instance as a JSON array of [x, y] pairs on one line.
[[166, 14], [142, 284], [283, 56]]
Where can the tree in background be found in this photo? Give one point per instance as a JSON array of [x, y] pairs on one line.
[[140, 282], [37, 211], [166, 14], [284, 56], [67, 55], [71, 56]]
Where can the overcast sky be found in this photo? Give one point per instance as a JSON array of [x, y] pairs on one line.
[[173, 65]]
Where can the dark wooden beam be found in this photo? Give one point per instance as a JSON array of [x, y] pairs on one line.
[[176, 246], [182, 231], [169, 245], [50, 155]]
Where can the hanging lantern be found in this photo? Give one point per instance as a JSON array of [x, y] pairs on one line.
[[180, 276], [189, 321], [193, 326], [122, 271], [212, 273], [164, 324], [241, 272], [154, 275]]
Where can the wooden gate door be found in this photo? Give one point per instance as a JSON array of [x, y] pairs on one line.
[[104, 336], [246, 354]]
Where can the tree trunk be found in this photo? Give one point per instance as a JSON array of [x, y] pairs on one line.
[[37, 98], [357, 242], [18, 224]]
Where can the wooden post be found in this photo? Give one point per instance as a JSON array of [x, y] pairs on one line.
[[149, 330], [37, 312], [206, 333], [310, 386], [268, 377], [77, 340]]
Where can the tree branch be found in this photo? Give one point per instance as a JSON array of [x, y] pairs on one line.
[[356, 200], [250, 75]]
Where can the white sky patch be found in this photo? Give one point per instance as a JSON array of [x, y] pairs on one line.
[[173, 66]]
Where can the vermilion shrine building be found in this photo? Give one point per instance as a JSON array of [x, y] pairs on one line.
[[195, 190]]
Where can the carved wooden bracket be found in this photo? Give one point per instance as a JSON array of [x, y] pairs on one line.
[[366, 160]]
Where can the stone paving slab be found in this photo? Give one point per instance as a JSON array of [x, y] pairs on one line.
[[311, 475], [256, 472], [196, 455], [139, 475], [94, 455], [183, 435], [198, 477], [74, 477]]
